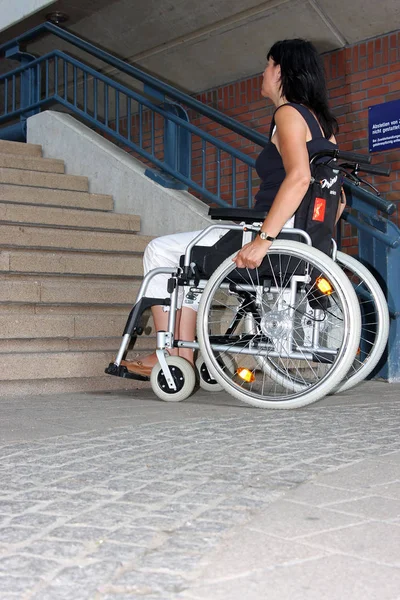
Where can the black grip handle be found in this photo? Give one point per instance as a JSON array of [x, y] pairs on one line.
[[354, 158], [348, 156], [373, 170]]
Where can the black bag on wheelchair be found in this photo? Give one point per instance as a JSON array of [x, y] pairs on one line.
[[317, 212]]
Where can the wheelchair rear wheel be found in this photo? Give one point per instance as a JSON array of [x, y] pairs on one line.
[[304, 327]]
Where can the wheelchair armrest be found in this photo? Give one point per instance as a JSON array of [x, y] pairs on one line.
[[248, 215]]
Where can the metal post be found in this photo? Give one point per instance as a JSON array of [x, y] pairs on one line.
[[384, 262], [29, 92], [176, 150]]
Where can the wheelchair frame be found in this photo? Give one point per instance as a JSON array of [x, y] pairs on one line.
[[165, 340]]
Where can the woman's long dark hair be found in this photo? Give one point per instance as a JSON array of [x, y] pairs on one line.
[[303, 79]]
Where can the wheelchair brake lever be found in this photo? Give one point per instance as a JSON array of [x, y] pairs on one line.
[[367, 183]]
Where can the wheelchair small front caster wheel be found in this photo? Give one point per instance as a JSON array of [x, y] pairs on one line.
[[183, 375], [206, 381]]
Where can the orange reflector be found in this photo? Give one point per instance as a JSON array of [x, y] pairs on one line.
[[246, 375], [324, 286]]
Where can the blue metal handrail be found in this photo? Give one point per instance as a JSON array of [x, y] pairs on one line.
[[148, 80], [38, 99]]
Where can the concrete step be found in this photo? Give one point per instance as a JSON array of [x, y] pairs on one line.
[[47, 328], [64, 217], [104, 310], [32, 261], [20, 148], [31, 163], [54, 365], [144, 345], [20, 326], [67, 290], [70, 239], [41, 196], [44, 180]]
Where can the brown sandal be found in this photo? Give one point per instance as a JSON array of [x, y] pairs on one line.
[[136, 366]]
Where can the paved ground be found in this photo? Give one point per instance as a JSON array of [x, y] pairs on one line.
[[114, 496]]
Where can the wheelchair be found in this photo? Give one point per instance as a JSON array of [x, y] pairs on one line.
[[301, 326]]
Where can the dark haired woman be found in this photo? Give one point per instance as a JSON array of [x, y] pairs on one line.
[[302, 124]]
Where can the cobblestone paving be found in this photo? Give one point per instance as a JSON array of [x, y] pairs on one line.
[[132, 512]]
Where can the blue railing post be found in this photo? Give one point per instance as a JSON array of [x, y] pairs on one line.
[[379, 249], [29, 92], [385, 262], [176, 149]]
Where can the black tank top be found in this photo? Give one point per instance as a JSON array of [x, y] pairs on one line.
[[269, 164]]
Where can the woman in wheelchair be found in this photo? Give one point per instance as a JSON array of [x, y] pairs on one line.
[[302, 125]]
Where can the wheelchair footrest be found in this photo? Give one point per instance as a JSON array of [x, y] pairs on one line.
[[122, 371]]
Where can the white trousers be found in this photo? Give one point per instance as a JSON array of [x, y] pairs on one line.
[[166, 251]]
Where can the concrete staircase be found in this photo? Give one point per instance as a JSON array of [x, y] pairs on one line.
[[70, 269]]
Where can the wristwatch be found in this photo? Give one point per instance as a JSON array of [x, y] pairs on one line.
[[265, 236]]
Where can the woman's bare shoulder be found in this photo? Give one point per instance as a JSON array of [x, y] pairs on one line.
[[287, 111]]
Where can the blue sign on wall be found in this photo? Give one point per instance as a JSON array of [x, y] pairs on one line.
[[384, 126]]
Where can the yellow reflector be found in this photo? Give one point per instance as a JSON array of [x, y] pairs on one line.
[[246, 375], [324, 286]]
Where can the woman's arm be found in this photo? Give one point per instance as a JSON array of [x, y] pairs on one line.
[[291, 139]]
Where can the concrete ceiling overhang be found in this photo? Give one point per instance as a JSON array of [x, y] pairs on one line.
[[199, 45]]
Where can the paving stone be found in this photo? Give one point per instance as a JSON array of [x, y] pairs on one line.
[[179, 562], [363, 478], [318, 495], [365, 542], [374, 507], [15, 535], [290, 520], [262, 551], [333, 578], [67, 507], [389, 490], [34, 519], [138, 536], [55, 549], [12, 508], [14, 587], [132, 596], [61, 592], [18, 564], [39, 495], [75, 533], [94, 517], [117, 552], [149, 582]]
